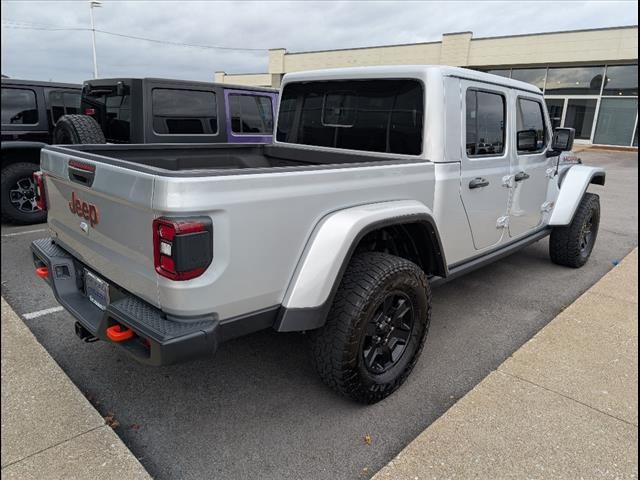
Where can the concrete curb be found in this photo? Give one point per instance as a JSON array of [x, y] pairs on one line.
[[564, 405], [49, 429]]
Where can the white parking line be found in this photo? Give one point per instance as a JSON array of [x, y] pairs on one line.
[[40, 313], [24, 233]]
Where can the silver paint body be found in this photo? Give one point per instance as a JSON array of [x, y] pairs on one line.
[[280, 237]]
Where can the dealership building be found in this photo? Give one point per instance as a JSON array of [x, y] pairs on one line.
[[589, 77]]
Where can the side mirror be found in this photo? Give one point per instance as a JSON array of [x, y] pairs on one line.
[[563, 139], [527, 140]]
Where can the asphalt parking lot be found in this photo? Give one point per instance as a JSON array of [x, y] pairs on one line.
[[257, 409]]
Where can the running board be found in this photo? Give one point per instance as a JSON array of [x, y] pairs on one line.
[[460, 269]]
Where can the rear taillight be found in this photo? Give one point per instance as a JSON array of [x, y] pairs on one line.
[[182, 247], [89, 111], [41, 199]]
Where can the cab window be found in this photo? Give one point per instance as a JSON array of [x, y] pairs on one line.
[[485, 121], [19, 106], [367, 115], [251, 114], [530, 116], [184, 112]]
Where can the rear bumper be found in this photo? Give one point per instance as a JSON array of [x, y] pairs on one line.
[[158, 340]]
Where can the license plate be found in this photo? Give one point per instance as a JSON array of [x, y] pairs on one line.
[[96, 289]]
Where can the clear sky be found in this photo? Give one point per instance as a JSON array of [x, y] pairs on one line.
[[65, 55]]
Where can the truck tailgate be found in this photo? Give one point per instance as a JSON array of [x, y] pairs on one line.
[[102, 215]]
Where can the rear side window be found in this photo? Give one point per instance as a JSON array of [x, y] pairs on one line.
[[485, 113], [530, 116], [184, 112], [19, 107], [368, 115], [251, 114], [63, 103]]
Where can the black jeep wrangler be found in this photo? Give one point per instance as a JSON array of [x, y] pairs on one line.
[[158, 110], [30, 111]]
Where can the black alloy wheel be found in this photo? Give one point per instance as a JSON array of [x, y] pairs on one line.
[[388, 332]]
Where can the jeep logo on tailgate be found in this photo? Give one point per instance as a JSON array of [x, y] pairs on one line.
[[83, 209]]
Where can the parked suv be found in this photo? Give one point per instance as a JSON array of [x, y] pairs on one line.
[[381, 182], [154, 110], [30, 111]]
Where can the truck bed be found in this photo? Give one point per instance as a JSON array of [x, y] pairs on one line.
[[212, 159]]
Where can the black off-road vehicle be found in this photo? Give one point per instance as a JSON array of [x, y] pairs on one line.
[[30, 111], [158, 110]]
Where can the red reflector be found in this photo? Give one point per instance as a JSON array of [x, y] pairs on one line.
[[41, 199], [167, 263], [89, 111], [118, 333], [87, 167], [42, 272]]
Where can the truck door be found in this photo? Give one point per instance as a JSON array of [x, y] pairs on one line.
[[485, 161], [529, 167]]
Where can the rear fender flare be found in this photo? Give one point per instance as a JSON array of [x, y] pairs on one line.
[[328, 251], [574, 185]]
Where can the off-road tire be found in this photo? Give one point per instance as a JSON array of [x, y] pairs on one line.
[[566, 244], [11, 175], [336, 347], [77, 130]]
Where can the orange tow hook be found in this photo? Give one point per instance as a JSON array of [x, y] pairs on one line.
[[117, 333], [42, 272]]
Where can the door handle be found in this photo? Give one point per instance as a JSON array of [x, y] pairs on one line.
[[478, 182], [521, 176]]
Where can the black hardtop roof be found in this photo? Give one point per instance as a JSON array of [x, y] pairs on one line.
[[192, 83], [38, 83]]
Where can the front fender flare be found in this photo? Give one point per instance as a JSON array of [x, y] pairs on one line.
[[574, 185], [310, 292]]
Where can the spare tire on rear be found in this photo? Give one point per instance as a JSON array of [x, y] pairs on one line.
[[77, 130]]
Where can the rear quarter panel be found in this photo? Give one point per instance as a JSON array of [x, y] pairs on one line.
[[262, 223]]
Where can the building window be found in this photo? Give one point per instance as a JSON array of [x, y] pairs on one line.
[[580, 115], [251, 114], [530, 117], [63, 103], [621, 80], [534, 76], [555, 107], [574, 81], [184, 112], [19, 107], [485, 114], [370, 115], [616, 118]]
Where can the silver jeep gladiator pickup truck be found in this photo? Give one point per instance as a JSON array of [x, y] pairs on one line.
[[380, 183]]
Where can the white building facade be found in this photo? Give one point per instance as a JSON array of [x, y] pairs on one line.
[[589, 77]]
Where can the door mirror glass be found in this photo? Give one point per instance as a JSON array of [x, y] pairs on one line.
[[563, 139], [527, 140]]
